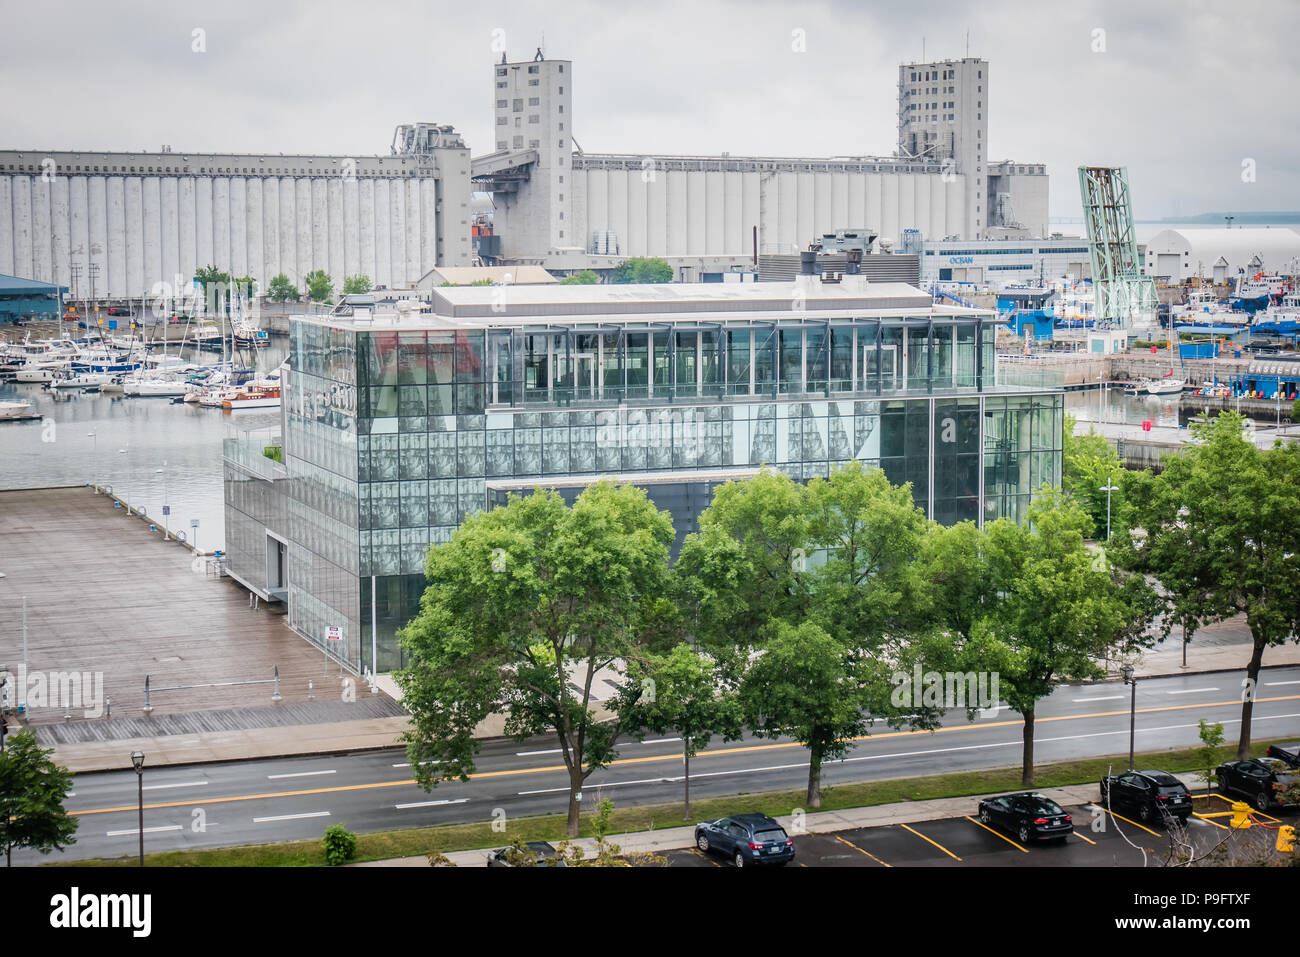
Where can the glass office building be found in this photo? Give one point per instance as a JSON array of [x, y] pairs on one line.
[[398, 426]]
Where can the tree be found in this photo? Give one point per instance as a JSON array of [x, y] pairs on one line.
[[642, 269], [32, 791], [282, 290], [211, 276], [682, 692], [356, 285], [527, 603], [1219, 528], [1089, 464], [806, 685], [585, 277], [245, 286], [1207, 754], [320, 288], [1061, 608]]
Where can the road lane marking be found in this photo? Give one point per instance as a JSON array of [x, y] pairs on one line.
[[1191, 690], [996, 834], [299, 774], [290, 817], [670, 740], [1111, 697], [861, 851], [407, 764], [935, 843], [529, 754], [178, 784], [699, 853], [1088, 839], [711, 753], [402, 807], [147, 830], [1123, 818], [1274, 684]]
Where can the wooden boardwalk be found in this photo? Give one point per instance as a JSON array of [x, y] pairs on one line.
[[106, 595]]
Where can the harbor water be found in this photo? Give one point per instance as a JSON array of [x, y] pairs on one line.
[[142, 447]]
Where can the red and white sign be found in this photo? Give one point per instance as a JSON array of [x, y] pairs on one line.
[[334, 633]]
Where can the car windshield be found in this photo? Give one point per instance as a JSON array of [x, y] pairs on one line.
[[763, 837]]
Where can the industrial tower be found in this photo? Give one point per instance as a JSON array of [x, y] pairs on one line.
[[1121, 292]]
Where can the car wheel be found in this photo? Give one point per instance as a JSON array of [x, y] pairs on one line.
[[702, 843], [740, 859], [1144, 813], [1224, 787], [1262, 802], [984, 815], [1023, 833]]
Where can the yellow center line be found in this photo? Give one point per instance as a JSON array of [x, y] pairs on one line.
[[1122, 818], [715, 752], [935, 843], [861, 851], [996, 834]]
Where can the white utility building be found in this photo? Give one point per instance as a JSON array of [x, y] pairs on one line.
[[1220, 254]]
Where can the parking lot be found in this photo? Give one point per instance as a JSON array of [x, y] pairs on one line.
[[1100, 839]]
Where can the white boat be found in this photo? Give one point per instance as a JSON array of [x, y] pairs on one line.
[[216, 398], [1164, 386], [154, 386], [38, 371], [253, 398], [15, 410], [82, 380]]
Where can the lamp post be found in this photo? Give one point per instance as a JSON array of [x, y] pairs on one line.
[[1108, 488], [1127, 672], [137, 761], [163, 472]]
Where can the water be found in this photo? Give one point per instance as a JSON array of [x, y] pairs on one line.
[[1112, 405], [125, 442]]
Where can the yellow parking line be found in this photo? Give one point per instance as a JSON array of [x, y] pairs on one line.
[[1208, 821], [861, 851], [935, 843], [996, 834], [1258, 813], [706, 857], [1088, 839], [1134, 823]]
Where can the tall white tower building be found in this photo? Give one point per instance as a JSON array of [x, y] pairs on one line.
[[943, 115]]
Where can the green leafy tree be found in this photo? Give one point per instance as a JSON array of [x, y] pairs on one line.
[[282, 290], [806, 685], [525, 603], [585, 277], [32, 791], [681, 691], [1062, 608], [1089, 464], [1219, 528], [356, 285], [211, 276], [245, 286], [642, 269], [1207, 754], [320, 288]]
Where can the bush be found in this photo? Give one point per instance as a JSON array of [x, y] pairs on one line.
[[340, 844]]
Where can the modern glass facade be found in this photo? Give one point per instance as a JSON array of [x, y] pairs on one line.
[[395, 430]]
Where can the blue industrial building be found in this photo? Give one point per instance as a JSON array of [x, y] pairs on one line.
[[23, 299]]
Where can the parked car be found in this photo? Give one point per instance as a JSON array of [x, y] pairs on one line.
[[1289, 753], [543, 851], [1030, 816], [1259, 779], [1150, 794], [746, 839]]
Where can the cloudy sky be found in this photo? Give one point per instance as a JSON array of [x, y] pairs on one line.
[[1183, 92]]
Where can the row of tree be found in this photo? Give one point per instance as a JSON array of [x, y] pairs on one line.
[[796, 610], [318, 285]]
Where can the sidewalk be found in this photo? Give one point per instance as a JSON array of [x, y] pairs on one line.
[[1218, 650]]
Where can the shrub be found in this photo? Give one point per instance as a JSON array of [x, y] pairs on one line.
[[340, 845]]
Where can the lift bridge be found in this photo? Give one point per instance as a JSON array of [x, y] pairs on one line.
[[1122, 294]]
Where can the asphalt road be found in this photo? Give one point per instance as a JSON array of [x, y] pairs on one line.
[[258, 801]]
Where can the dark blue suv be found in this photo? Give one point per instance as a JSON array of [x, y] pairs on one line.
[[746, 839]]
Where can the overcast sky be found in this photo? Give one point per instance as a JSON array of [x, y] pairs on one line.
[[1183, 93]]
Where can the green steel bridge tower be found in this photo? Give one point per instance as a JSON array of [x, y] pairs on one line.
[[1121, 292]]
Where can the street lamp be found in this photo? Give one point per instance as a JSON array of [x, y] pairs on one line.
[[137, 761], [1126, 671], [1108, 488]]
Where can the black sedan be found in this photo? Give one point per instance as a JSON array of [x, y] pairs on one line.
[[1290, 753], [746, 839], [535, 853], [1030, 816], [1262, 780], [1152, 795]]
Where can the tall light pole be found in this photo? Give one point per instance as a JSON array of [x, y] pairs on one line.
[[137, 761], [1108, 488], [1129, 679], [163, 472]]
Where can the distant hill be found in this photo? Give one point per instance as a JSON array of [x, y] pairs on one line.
[[1238, 219]]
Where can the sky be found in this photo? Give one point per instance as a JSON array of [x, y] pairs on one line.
[[1198, 98]]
